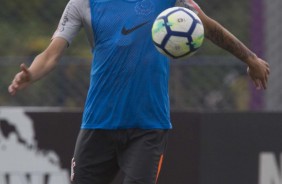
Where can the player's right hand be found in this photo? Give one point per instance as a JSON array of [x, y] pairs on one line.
[[259, 71], [21, 80]]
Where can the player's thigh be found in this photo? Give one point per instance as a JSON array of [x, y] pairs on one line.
[[142, 159], [94, 158]]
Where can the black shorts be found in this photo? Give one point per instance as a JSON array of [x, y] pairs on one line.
[[100, 154]]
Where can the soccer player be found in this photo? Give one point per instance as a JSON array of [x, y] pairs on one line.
[[126, 117]]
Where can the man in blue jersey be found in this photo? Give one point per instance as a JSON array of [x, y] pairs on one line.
[[126, 116]]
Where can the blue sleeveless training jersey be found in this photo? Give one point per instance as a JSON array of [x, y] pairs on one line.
[[129, 77]]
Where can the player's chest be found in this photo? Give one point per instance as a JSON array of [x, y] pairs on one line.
[[114, 18]]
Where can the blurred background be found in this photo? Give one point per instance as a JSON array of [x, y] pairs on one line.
[[225, 131], [211, 80]]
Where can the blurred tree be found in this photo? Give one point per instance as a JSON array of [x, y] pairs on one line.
[[27, 26]]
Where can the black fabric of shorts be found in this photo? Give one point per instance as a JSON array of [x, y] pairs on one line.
[[100, 154]]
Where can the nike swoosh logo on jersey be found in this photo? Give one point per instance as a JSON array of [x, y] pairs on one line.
[[125, 31]]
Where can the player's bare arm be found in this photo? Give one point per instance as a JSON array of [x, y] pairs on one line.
[[258, 69], [41, 66]]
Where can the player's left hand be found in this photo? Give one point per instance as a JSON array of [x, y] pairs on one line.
[[259, 70]]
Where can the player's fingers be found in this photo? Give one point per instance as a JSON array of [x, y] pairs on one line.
[[24, 68], [267, 74], [268, 71], [15, 84], [257, 84], [25, 73], [19, 78], [11, 90], [22, 76], [264, 83]]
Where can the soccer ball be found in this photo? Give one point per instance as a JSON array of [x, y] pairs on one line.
[[177, 32]]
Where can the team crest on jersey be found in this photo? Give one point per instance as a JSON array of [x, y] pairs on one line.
[[142, 7]]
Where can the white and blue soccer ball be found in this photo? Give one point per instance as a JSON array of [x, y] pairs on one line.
[[177, 32]]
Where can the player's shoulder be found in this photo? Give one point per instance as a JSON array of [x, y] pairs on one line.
[[79, 4]]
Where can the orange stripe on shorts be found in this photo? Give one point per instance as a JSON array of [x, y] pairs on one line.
[[159, 166]]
